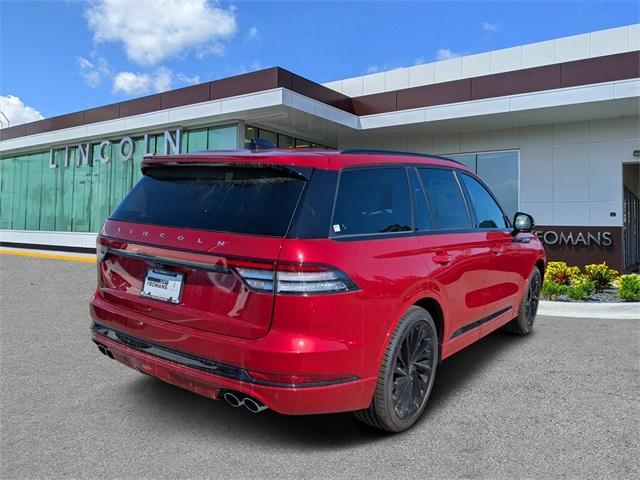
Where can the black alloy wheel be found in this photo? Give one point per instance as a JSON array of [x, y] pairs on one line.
[[522, 323], [413, 370], [406, 375], [533, 298]]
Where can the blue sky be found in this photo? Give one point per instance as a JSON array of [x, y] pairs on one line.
[[61, 56]]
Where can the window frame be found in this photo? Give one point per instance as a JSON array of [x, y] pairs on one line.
[[426, 201], [472, 208], [373, 235], [454, 172]]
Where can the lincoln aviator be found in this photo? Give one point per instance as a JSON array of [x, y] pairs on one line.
[[310, 282]]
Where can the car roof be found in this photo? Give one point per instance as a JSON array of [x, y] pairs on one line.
[[323, 159]]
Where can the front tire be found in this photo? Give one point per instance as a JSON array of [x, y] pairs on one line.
[[406, 375], [523, 323]]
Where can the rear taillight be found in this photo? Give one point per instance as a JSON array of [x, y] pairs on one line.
[[297, 280], [257, 279], [102, 247]]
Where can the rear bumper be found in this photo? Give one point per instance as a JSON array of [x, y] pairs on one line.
[[146, 345]]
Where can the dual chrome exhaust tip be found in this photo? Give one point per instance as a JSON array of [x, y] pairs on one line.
[[237, 399], [105, 351]]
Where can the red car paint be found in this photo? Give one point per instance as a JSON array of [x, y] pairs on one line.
[[298, 354]]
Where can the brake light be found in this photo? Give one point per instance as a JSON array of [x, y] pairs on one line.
[[297, 279], [102, 247], [261, 280]]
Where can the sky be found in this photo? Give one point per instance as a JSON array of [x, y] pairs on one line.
[[62, 56]]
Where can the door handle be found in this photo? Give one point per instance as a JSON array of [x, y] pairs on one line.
[[497, 249], [442, 259]]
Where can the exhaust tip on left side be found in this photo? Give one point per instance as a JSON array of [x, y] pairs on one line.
[[105, 351]]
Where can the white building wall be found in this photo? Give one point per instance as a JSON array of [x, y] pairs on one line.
[[570, 173], [565, 49]]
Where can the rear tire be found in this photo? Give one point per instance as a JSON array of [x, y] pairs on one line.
[[406, 375], [522, 324]]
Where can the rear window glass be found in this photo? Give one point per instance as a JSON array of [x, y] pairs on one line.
[[251, 200], [372, 200], [445, 199]]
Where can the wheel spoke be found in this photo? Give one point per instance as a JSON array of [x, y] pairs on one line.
[[413, 370]]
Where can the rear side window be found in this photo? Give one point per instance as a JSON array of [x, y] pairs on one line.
[[372, 200], [487, 212], [235, 199], [445, 199]]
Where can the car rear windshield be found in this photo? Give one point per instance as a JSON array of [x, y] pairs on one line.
[[235, 199]]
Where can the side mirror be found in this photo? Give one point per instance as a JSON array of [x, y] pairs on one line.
[[522, 222]]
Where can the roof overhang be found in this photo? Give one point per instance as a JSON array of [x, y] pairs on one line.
[[600, 87]]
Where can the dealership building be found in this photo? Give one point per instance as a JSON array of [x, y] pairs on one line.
[[552, 127]]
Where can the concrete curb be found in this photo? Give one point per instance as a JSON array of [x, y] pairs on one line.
[[623, 311]]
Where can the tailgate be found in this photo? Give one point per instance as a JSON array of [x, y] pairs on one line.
[[212, 296], [173, 249]]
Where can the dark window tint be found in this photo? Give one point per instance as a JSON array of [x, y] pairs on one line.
[[373, 200], [422, 215], [445, 199], [487, 212], [251, 200]]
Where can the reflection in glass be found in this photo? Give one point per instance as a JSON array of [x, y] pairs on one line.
[[285, 141], [499, 170]]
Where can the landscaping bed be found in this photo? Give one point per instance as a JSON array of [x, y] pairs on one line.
[[597, 283]]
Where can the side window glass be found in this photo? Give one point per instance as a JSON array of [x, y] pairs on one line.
[[422, 214], [487, 212], [445, 199], [372, 200]]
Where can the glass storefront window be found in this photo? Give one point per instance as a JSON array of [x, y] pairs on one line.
[[499, 170], [285, 141], [280, 140], [269, 136], [78, 198]]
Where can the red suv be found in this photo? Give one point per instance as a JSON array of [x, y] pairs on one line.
[[310, 282]]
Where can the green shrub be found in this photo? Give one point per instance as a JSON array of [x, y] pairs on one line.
[[581, 287], [601, 275], [629, 286], [560, 273], [552, 290]]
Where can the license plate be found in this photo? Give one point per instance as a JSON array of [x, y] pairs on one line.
[[162, 285]]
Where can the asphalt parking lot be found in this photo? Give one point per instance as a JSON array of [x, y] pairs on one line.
[[563, 401]]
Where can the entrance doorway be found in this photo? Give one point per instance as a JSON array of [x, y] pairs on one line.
[[631, 216]]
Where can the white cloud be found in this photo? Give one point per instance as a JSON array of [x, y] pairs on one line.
[[211, 49], [154, 30], [446, 54], [182, 78], [93, 72], [131, 83], [161, 80], [489, 27], [255, 65], [16, 112], [254, 34], [373, 69]]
